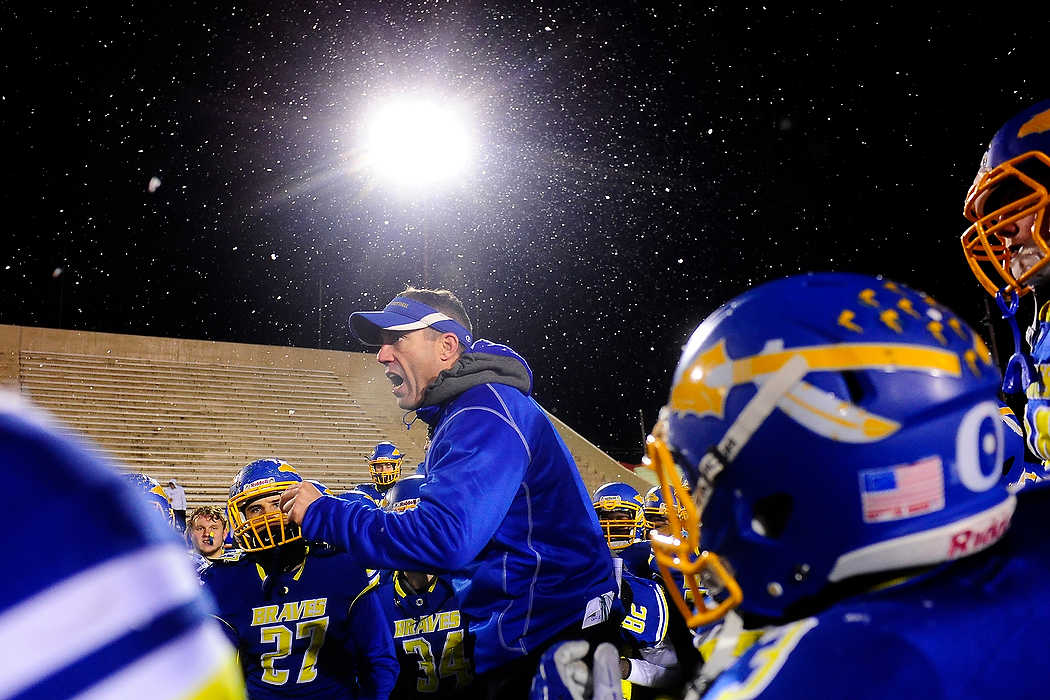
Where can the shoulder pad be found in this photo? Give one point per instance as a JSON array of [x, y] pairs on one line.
[[231, 556]]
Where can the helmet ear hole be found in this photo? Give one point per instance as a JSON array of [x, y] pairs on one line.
[[772, 514], [855, 387]]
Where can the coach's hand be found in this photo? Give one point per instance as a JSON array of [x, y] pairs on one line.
[[296, 499]]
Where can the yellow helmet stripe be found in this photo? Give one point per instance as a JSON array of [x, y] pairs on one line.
[[703, 386], [851, 357]]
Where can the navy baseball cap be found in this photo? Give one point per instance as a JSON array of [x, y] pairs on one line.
[[404, 314]]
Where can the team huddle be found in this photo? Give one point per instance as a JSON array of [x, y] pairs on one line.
[[846, 506]]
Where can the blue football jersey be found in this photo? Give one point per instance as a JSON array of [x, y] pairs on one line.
[[961, 630], [1036, 433], [636, 558], [315, 631], [1018, 473], [430, 637], [645, 624], [117, 612], [370, 490]]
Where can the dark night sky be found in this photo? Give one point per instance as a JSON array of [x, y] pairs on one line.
[[637, 165]]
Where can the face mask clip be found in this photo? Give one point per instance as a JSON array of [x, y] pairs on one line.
[[1020, 372]]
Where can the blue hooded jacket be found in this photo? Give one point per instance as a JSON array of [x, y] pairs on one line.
[[503, 509]]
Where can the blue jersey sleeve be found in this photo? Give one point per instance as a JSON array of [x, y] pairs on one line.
[[646, 620], [120, 606], [482, 455], [371, 644]]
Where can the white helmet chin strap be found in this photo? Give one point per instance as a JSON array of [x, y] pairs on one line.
[[750, 420], [1031, 331]]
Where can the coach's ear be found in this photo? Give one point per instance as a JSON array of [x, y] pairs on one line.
[[448, 347]]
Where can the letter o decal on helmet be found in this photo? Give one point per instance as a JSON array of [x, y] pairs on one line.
[[979, 447]]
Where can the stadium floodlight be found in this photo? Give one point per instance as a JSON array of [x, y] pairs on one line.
[[416, 142]]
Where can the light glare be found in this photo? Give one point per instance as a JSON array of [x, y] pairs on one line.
[[417, 141]]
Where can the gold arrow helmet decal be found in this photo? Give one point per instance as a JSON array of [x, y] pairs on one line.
[[703, 386]]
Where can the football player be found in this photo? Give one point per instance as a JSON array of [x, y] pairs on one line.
[[650, 638], [206, 529], [656, 510], [430, 632], [153, 495], [842, 443], [117, 614], [1007, 247], [305, 624], [384, 465], [619, 508]]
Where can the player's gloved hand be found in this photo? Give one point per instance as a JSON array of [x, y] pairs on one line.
[[563, 674], [1037, 425]]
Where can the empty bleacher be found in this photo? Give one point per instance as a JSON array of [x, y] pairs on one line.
[[201, 422], [200, 410]]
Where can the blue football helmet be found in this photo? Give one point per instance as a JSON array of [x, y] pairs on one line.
[[385, 465], [403, 495], [263, 478], [620, 515], [1007, 246], [154, 494], [828, 426], [655, 508]]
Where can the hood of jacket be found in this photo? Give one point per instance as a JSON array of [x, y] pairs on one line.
[[485, 363]]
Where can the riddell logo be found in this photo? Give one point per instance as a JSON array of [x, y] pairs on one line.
[[259, 482], [971, 541]]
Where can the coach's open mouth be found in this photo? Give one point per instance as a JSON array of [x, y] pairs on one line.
[[395, 379]]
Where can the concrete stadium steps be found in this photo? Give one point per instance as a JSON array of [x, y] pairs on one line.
[[191, 386], [200, 422], [187, 451], [181, 390], [153, 366], [174, 381], [75, 366], [207, 478], [123, 391], [221, 467], [221, 438], [165, 415], [226, 464], [247, 425], [192, 404], [147, 433]]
